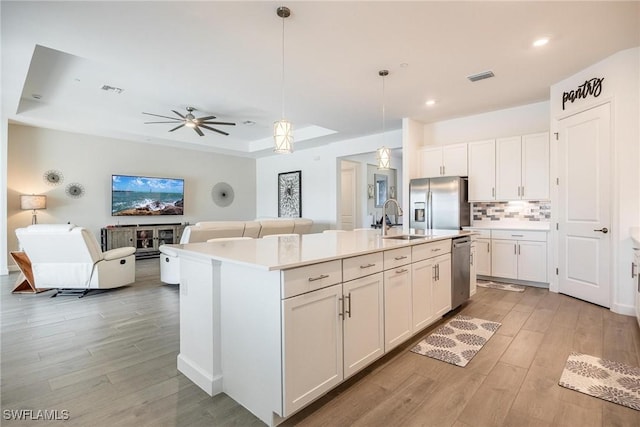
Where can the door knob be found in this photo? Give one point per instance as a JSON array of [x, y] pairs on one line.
[[604, 230]]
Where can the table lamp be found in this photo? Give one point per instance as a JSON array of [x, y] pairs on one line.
[[33, 202]]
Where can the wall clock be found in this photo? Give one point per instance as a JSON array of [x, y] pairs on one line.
[[75, 190], [290, 194], [222, 194], [53, 177]]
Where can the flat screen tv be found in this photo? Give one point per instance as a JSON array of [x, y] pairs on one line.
[[143, 195]]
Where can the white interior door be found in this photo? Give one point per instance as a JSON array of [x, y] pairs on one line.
[[348, 196], [584, 205]]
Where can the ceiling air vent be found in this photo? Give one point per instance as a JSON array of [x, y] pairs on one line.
[[481, 76]]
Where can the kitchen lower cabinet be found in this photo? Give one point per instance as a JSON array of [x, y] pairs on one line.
[[312, 346], [504, 260], [532, 261], [441, 290], [363, 327], [519, 255], [482, 259], [422, 282], [398, 325]]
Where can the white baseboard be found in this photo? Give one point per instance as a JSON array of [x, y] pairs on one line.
[[211, 385], [627, 310]]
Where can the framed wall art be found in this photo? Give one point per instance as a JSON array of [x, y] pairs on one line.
[[290, 194]]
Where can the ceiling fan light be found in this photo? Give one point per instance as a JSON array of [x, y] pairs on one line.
[[384, 158], [190, 124], [282, 136]]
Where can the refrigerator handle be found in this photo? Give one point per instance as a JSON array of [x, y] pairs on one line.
[[429, 210]]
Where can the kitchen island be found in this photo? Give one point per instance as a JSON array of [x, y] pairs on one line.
[[276, 323]]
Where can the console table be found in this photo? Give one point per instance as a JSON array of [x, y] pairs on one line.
[[25, 284], [146, 238]]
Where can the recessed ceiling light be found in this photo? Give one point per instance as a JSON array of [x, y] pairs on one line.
[[431, 102], [541, 42]]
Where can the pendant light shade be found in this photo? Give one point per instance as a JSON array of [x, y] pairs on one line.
[[282, 129], [282, 137], [383, 153]]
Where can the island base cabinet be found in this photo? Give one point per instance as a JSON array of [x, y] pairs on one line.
[[441, 289], [312, 346], [397, 306], [363, 330], [421, 278]]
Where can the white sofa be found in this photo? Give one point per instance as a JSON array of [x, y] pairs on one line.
[[206, 230], [65, 256]]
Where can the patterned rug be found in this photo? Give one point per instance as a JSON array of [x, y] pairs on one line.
[[458, 340], [502, 286], [612, 381]]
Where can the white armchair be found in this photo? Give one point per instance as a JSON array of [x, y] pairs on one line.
[[65, 256]]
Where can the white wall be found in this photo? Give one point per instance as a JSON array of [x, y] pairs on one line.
[[522, 120], [91, 160], [621, 87], [320, 168]]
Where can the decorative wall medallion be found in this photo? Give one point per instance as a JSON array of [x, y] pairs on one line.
[[53, 177], [290, 194], [75, 190], [222, 194]]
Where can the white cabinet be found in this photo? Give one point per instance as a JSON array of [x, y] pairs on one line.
[[482, 259], [398, 325], [441, 285], [447, 160], [522, 167], [311, 331], [482, 170], [520, 255], [363, 322]]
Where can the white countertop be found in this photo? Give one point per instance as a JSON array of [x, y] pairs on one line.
[[294, 251], [501, 225]]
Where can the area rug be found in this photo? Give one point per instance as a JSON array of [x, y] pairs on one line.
[[502, 286], [458, 340], [608, 380]]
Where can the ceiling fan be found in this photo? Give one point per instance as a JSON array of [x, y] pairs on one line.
[[190, 121]]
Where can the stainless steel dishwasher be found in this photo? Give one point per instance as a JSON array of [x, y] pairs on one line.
[[460, 270]]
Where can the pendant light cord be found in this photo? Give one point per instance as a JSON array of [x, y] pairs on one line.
[[282, 83]]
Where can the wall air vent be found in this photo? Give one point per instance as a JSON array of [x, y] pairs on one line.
[[481, 76], [112, 89]]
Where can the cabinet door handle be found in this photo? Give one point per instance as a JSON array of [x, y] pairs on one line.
[[367, 266], [471, 259], [515, 249], [341, 307], [493, 192], [320, 277], [404, 270], [436, 249], [349, 298], [434, 273], [522, 195], [398, 258], [443, 170], [633, 270], [488, 247], [517, 235], [518, 249], [518, 191]]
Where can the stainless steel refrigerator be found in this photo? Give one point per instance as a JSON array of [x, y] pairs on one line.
[[439, 203]]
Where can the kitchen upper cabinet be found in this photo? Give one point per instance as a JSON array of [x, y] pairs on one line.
[[482, 170], [447, 160], [363, 322], [522, 167]]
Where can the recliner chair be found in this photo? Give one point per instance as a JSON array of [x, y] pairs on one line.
[[68, 257]]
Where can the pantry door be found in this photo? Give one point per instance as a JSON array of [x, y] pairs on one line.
[[584, 208]]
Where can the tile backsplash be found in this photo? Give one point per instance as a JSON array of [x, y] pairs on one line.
[[516, 210]]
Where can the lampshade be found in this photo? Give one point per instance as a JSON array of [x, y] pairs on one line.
[[33, 202], [282, 136], [384, 158]]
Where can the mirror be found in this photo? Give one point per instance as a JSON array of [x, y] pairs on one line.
[[381, 190]]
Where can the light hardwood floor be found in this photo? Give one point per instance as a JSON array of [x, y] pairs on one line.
[[110, 360]]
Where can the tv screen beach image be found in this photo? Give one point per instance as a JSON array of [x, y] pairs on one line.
[[139, 195]]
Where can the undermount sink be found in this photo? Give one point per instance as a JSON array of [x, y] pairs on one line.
[[405, 237]]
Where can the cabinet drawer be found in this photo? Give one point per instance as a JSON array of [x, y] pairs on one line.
[[536, 236], [300, 280], [397, 257], [360, 266], [429, 250]]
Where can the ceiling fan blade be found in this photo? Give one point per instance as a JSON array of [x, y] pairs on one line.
[[197, 129], [213, 129], [203, 119], [217, 123], [177, 127], [164, 117], [179, 114], [148, 123]]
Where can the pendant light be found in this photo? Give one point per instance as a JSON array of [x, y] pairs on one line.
[[282, 131], [383, 153]]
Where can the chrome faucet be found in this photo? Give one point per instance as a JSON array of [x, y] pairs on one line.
[[384, 214]]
